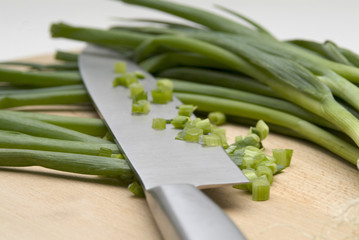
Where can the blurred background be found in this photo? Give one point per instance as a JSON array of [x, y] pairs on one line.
[[25, 24]]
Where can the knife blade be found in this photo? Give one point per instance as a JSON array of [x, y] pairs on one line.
[[171, 171]]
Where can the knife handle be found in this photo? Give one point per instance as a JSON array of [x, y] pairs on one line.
[[184, 212]]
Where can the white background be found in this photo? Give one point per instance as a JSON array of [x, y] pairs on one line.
[[24, 24]]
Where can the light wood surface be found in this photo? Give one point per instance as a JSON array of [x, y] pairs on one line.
[[316, 198]]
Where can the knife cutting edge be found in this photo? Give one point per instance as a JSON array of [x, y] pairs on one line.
[[170, 171]]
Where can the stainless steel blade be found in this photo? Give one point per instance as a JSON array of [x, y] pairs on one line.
[[154, 155]]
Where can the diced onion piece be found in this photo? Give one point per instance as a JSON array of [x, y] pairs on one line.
[[205, 125], [262, 129], [125, 79], [222, 134], [159, 96], [271, 165], [260, 189], [212, 140], [180, 121], [136, 189], [136, 88], [165, 83], [140, 96], [120, 67], [186, 110], [193, 134], [167, 86], [282, 156], [139, 74], [250, 175], [217, 118], [141, 107], [265, 171], [159, 123]]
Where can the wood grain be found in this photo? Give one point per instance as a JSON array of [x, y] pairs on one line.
[[316, 198]]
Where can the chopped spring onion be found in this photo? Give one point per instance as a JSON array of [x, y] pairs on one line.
[[136, 189], [212, 140], [271, 165], [192, 134], [165, 83], [125, 79], [282, 156], [266, 171], [250, 174], [186, 110], [262, 129], [140, 96], [120, 67], [250, 140], [220, 132], [260, 189], [217, 118], [159, 96], [139, 74], [167, 86], [205, 125], [136, 88], [159, 123], [180, 121], [141, 107]]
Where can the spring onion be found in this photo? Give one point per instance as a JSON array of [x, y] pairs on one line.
[[212, 140], [217, 118], [135, 89], [141, 107], [136, 189], [186, 110], [120, 67], [125, 79], [192, 134], [260, 188], [180, 121], [159, 123], [159, 96], [282, 156]]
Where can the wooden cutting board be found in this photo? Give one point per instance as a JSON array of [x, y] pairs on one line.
[[316, 198]]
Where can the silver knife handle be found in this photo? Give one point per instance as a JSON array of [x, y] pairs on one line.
[[183, 212]]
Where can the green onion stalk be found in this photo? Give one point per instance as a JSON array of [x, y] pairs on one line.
[[303, 128]]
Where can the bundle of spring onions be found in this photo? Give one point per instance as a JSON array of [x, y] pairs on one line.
[[299, 88], [303, 88]]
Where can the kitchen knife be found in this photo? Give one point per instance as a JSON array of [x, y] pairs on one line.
[[170, 171]]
